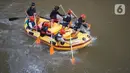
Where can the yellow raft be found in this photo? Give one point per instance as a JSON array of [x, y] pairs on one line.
[[82, 39]]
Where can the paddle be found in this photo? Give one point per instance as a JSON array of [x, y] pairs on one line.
[[72, 59], [62, 8], [38, 38], [51, 48], [16, 18], [72, 56], [89, 25], [74, 14]]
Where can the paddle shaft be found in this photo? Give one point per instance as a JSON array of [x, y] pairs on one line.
[[71, 32], [62, 9], [74, 14], [16, 18], [71, 45], [35, 22], [66, 13], [51, 32]]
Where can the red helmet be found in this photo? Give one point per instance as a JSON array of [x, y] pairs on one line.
[[83, 16], [62, 31], [69, 11], [46, 24], [31, 18]]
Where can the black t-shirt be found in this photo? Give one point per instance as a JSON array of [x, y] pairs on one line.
[[54, 13], [80, 22], [67, 18], [31, 11]]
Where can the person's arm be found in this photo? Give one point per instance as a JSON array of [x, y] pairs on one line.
[[40, 24], [60, 14], [85, 25], [34, 12], [26, 12], [73, 16]]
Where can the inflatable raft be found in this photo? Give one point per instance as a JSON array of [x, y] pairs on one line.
[[79, 42]]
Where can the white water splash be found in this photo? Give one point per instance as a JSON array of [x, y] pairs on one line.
[[33, 68], [92, 37], [67, 52], [93, 41], [4, 31], [4, 19], [27, 62]]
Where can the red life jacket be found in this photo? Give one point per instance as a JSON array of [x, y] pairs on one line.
[[31, 18]]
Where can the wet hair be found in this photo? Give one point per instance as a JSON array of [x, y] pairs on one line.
[[33, 4], [56, 7]]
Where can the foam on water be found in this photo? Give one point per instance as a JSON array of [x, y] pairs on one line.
[[32, 68], [4, 31], [4, 19], [93, 41], [66, 52], [28, 63]]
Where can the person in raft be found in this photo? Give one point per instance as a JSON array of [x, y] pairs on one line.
[[81, 21], [31, 11], [67, 18], [30, 23], [56, 15], [59, 36], [44, 29]]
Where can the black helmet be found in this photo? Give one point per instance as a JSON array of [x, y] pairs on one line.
[[33, 4], [56, 7]]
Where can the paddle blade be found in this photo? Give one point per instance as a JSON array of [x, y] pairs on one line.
[[52, 50], [73, 34], [12, 19], [38, 40], [73, 60]]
